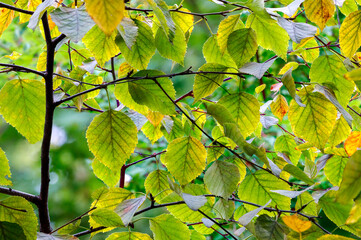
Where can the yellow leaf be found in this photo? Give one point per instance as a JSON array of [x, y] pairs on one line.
[[107, 14], [155, 117], [13, 56], [352, 143], [296, 224], [41, 65], [6, 17], [287, 67], [125, 69], [319, 11], [350, 34], [260, 88], [333, 237], [279, 107]]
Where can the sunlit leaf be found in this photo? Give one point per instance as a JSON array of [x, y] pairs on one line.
[[167, 227], [279, 106], [296, 224], [185, 159], [213, 54], [319, 11], [242, 45], [350, 34], [112, 137], [22, 104], [334, 169], [353, 142], [4, 169], [225, 28], [129, 236], [106, 13]]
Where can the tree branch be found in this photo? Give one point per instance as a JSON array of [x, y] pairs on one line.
[[17, 68], [9, 191], [3, 5]]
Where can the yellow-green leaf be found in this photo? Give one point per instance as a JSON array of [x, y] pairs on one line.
[[333, 237], [269, 34], [129, 236], [22, 104], [319, 11], [18, 210], [122, 93], [350, 34], [107, 14], [244, 108], [351, 181], [112, 137], [142, 50], [174, 50], [259, 185], [212, 53], [185, 159], [340, 132], [242, 45], [109, 177], [334, 169], [147, 92], [103, 47], [206, 83], [6, 17], [4, 169], [330, 70], [287, 145], [222, 178], [167, 227], [157, 184], [225, 28], [41, 64], [314, 122]]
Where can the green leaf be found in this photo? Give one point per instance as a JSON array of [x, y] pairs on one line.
[[38, 13], [269, 34], [142, 50], [351, 181], [127, 209], [129, 236], [337, 212], [197, 236], [225, 28], [319, 11], [213, 153], [185, 159], [306, 199], [73, 22], [157, 184], [330, 70], [206, 83], [289, 83], [147, 92], [259, 184], [109, 177], [268, 228], [340, 132], [18, 210], [166, 227], [224, 208], [11, 231], [333, 237], [22, 104], [122, 93], [310, 54], [174, 50], [100, 45], [334, 169], [184, 21], [298, 173], [106, 218], [244, 108], [4, 169], [314, 122], [220, 113], [212, 53], [242, 45], [106, 13], [350, 34], [151, 132], [348, 6], [222, 178], [112, 137], [161, 11], [287, 145]]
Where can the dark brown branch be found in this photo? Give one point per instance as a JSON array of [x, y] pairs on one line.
[[3, 5], [17, 68], [122, 176], [146, 158], [9, 191], [219, 225], [48, 126]]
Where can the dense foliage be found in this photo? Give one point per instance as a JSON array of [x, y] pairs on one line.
[[266, 144]]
